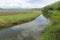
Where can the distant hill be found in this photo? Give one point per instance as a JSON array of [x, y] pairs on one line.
[[19, 9]]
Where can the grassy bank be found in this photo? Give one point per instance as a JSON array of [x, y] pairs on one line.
[[53, 13], [10, 20], [53, 31]]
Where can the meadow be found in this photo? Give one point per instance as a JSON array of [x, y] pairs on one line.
[[8, 19]]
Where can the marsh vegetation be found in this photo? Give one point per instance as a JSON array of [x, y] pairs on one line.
[[11, 18]]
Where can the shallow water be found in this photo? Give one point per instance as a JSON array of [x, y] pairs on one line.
[[26, 31]]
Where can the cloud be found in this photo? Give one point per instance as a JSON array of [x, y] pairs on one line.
[[25, 3]]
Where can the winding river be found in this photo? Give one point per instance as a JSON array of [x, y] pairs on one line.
[[26, 31]]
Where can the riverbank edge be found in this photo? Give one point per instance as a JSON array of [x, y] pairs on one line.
[[8, 25]]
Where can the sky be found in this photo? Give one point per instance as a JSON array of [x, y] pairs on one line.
[[25, 3]]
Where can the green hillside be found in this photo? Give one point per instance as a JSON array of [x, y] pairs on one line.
[[52, 12], [55, 6]]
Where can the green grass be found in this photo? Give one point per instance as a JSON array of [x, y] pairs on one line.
[[51, 31], [9, 20], [52, 12], [14, 18]]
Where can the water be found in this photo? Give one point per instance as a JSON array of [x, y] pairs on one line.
[[27, 31]]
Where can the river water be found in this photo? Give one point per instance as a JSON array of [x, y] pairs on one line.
[[26, 31]]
